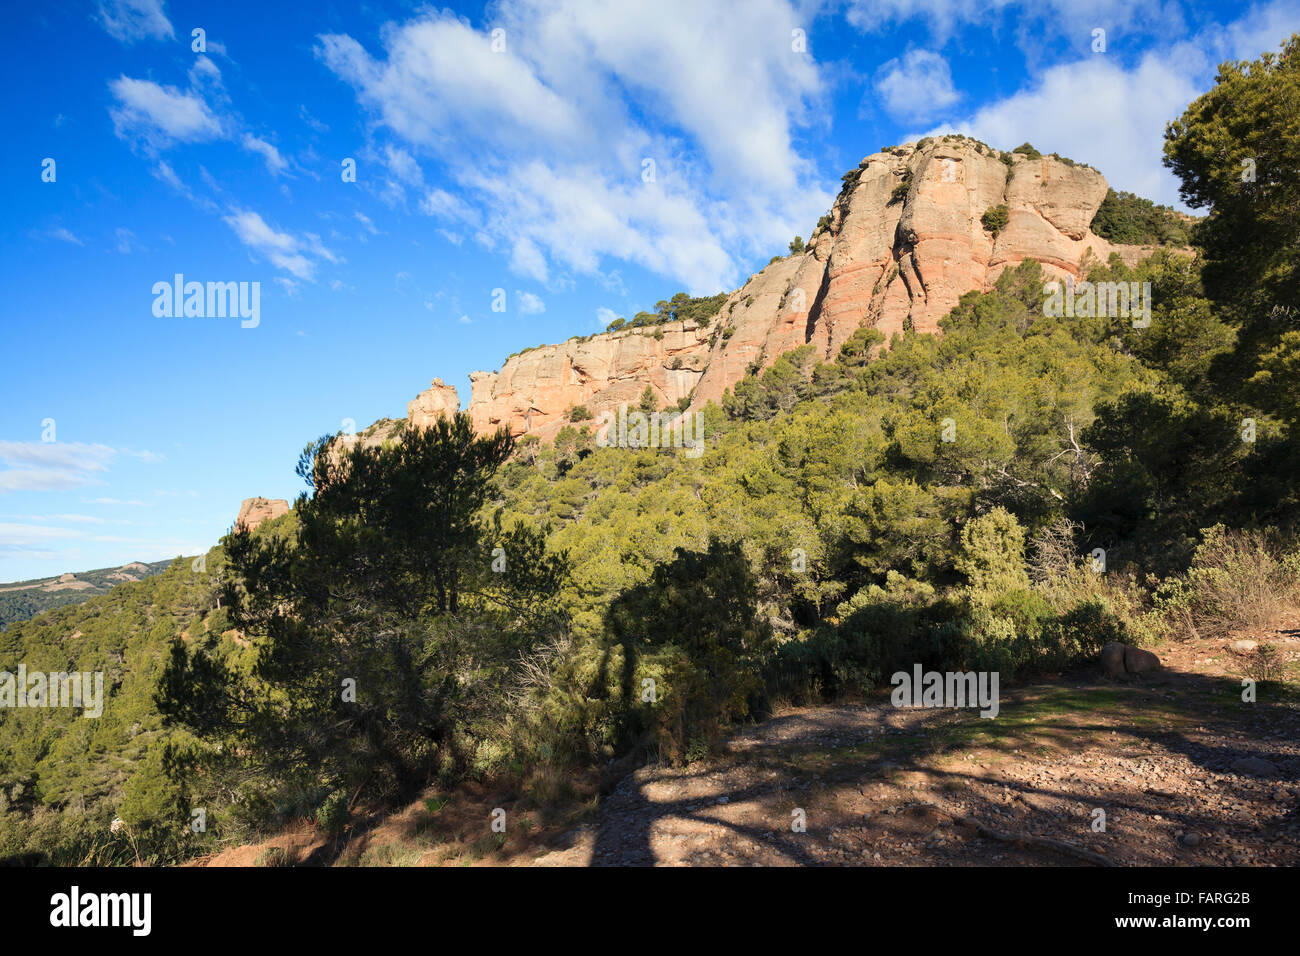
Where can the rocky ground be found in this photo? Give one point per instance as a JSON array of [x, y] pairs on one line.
[[1185, 772]]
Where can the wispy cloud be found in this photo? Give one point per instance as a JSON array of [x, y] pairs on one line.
[[56, 466], [158, 116], [295, 254], [275, 163], [65, 235], [530, 304], [131, 20]]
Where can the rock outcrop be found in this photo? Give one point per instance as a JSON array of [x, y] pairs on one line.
[[902, 243], [254, 511], [534, 391], [431, 404]]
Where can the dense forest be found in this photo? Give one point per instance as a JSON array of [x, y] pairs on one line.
[[1009, 496]]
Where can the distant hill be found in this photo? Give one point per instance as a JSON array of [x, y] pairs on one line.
[[23, 600]]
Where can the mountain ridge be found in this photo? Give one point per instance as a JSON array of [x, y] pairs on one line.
[[903, 241]]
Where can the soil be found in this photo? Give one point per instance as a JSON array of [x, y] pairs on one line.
[[1184, 770]]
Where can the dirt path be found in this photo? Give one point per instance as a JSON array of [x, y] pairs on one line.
[[1185, 772]]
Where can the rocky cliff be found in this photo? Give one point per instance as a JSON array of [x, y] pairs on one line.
[[253, 511], [902, 243]]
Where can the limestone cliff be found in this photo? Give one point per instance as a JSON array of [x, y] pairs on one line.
[[902, 243]]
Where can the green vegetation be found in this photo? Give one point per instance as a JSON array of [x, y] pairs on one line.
[[995, 219], [63, 778], [901, 190], [1236, 151], [1131, 220], [452, 607], [389, 629], [680, 308], [20, 600]]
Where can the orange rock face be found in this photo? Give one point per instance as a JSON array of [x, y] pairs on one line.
[[256, 510], [536, 390], [888, 263], [431, 404]]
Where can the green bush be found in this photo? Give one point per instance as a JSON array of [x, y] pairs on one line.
[[332, 815], [995, 219], [1125, 218]]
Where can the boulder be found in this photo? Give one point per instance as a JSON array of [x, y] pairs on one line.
[[1112, 659], [1138, 661], [1119, 660]]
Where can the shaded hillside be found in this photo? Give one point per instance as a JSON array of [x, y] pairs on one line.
[[63, 777]]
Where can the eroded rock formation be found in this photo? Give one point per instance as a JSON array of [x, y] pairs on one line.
[[902, 243], [431, 404]]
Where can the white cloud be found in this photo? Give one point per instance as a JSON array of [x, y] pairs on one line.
[[1034, 20], [161, 115], [75, 456], [131, 20], [270, 155], [530, 304], [164, 173], [293, 254], [65, 235], [204, 73], [125, 241], [1261, 30], [51, 466], [442, 204], [157, 117], [151, 457], [543, 144], [1095, 111], [917, 87]]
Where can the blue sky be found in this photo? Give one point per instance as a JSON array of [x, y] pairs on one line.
[[498, 147]]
